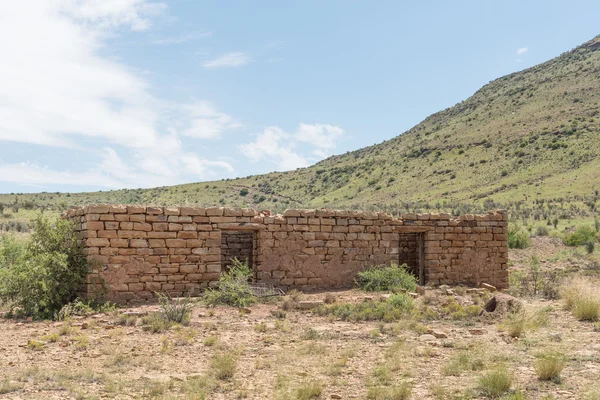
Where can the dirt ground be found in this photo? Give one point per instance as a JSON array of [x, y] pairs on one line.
[[297, 354]]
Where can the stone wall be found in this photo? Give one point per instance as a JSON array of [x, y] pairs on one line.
[[137, 251]]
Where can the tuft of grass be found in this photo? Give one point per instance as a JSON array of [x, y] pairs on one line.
[[156, 323], [399, 392], [464, 361], [52, 337], [35, 345], [310, 334], [382, 278], [223, 365], [66, 329], [185, 336], [549, 366], [261, 328], [210, 340], [7, 386], [126, 320], [582, 299], [166, 346], [309, 390], [495, 382], [82, 342]]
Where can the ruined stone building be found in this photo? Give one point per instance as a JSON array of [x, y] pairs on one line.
[[138, 251]]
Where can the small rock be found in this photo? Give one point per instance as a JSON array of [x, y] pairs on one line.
[[335, 396], [309, 304], [437, 334], [109, 327], [84, 325], [477, 331], [413, 295], [244, 310], [488, 287], [368, 298], [427, 338], [421, 290]]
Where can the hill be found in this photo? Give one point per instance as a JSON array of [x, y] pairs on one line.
[[528, 138]]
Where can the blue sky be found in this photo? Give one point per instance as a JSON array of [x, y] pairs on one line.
[[105, 94]]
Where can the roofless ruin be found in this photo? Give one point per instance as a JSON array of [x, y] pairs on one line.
[[137, 251]]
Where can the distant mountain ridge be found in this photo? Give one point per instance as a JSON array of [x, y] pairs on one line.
[[533, 134]]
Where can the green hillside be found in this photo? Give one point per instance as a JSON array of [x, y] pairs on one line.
[[526, 137]]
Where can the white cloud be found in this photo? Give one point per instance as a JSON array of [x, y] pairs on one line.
[[277, 146], [227, 60], [206, 122], [58, 90], [522, 50], [268, 146], [322, 136]]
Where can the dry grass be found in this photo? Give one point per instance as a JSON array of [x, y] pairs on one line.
[[549, 366], [582, 297], [495, 382]]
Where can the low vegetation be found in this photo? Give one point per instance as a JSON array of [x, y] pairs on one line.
[[582, 298], [495, 383], [41, 274], [233, 288], [384, 278], [518, 238], [549, 366], [393, 308]]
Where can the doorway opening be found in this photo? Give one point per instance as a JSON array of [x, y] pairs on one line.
[[240, 245], [412, 253]]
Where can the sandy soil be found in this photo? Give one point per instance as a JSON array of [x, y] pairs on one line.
[[283, 358]]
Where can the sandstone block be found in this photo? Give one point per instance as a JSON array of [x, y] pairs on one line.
[[175, 243], [97, 242], [138, 243], [142, 226]]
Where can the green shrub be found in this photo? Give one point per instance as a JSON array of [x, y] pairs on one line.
[[233, 288], [495, 383], [40, 275], [549, 366], [542, 231], [518, 238], [581, 235], [382, 278], [590, 246]]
